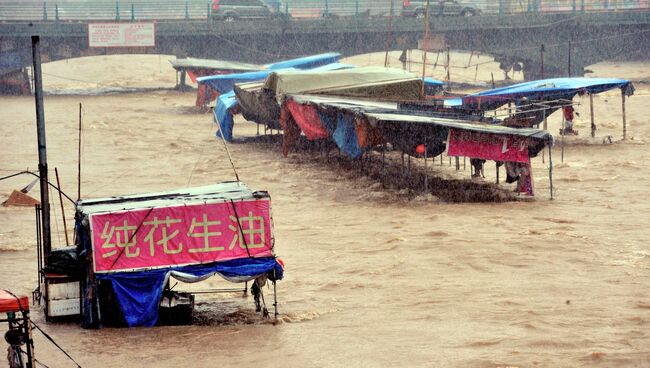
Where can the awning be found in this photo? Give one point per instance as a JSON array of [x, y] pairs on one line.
[[540, 90]]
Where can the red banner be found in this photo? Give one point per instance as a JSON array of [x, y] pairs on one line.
[[180, 235], [487, 146]]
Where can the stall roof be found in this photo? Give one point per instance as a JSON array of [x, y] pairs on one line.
[[306, 62], [11, 303], [191, 63], [545, 89], [362, 80], [461, 124], [210, 193]]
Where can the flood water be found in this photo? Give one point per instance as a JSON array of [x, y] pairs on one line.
[[374, 277]]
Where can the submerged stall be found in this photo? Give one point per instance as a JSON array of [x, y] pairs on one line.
[[134, 245]]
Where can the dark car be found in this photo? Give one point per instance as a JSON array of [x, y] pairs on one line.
[[417, 9], [231, 10]]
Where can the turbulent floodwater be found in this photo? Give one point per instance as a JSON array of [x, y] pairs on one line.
[[375, 277]]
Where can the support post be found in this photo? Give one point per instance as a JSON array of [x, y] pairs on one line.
[[117, 10], [42, 151], [187, 10], [45, 11], [550, 168], [79, 159], [497, 165], [457, 163], [624, 119], [591, 110], [65, 226], [56, 12], [132, 12], [426, 174]]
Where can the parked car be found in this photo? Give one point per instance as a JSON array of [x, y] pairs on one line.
[[231, 10], [417, 9]]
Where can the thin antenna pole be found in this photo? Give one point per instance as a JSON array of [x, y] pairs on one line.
[[79, 161], [426, 44], [448, 69], [389, 36], [65, 227], [541, 55], [42, 151], [225, 145]]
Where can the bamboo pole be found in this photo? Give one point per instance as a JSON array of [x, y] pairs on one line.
[[65, 227]]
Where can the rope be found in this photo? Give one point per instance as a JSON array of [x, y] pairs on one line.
[[132, 236], [54, 342], [228, 152], [36, 175], [241, 231]]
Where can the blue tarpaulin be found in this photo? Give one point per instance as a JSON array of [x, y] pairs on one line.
[[139, 293], [223, 114], [308, 62], [540, 90], [224, 83], [345, 135]]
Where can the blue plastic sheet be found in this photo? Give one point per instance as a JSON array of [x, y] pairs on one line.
[[225, 83], [223, 114], [139, 293], [308, 62], [541, 90], [345, 135]]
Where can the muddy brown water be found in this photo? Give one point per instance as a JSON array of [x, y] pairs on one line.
[[375, 277]]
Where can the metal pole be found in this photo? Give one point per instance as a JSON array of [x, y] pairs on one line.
[[550, 168], [426, 44], [562, 140], [591, 110], [448, 69], [541, 57], [79, 159], [389, 36], [497, 165], [569, 59], [426, 175], [65, 227], [457, 163], [624, 121], [42, 151]]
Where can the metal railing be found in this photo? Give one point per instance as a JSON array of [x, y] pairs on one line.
[[137, 10]]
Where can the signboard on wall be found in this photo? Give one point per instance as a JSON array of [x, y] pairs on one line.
[[121, 35]]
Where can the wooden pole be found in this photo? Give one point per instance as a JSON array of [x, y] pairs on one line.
[[65, 227], [426, 44], [624, 121], [78, 161], [591, 110]]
